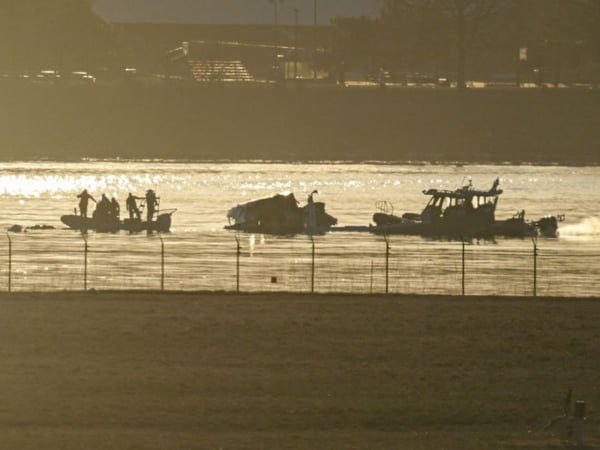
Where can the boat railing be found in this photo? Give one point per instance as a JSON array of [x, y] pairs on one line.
[[385, 207]]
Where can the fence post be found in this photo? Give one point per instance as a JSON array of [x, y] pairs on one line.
[[162, 263], [9, 263], [535, 255], [237, 273], [312, 272], [85, 260], [462, 239], [387, 263], [372, 268]]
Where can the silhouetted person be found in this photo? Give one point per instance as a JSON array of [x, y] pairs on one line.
[[115, 208], [311, 212], [84, 198], [103, 207], [132, 206], [151, 204]]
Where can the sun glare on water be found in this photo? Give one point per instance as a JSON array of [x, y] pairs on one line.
[[35, 186]]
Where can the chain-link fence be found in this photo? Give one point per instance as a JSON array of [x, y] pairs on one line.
[[357, 264]]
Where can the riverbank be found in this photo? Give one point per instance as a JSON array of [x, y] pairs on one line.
[[215, 122], [150, 370]]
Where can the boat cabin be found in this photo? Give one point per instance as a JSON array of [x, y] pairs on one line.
[[463, 203]]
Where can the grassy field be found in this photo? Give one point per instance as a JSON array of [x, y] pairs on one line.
[[206, 122], [151, 371]]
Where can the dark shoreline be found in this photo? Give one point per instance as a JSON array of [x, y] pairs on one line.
[[282, 295], [298, 162], [208, 123]]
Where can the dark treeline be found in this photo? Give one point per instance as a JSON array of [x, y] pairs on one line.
[[57, 34], [477, 38]]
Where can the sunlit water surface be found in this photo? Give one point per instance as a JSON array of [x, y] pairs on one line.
[[201, 255]]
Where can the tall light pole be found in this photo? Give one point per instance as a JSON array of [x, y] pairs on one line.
[[295, 10], [316, 23], [275, 4]]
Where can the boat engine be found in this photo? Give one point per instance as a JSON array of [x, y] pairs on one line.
[[548, 226]]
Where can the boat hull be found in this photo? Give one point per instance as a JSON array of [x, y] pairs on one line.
[[514, 227], [112, 225], [432, 230], [277, 230], [475, 225]]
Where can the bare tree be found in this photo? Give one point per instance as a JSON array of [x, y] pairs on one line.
[[561, 35], [276, 4], [419, 34], [62, 34], [467, 16], [354, 44], [464, 17]]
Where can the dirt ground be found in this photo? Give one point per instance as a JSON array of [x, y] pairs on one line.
[[160, 371]]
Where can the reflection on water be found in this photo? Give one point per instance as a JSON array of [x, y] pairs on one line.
[[34, 192], [201, 254]]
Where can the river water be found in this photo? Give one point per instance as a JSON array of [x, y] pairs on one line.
[[201, 255]]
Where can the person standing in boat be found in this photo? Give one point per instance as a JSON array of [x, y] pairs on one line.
[[84, 198], [115, 208], [132, 207], [103, 208], [311, 213], [151, 204]]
